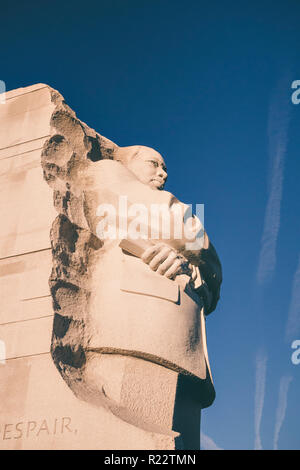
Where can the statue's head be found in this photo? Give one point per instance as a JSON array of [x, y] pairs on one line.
[[145, 163]]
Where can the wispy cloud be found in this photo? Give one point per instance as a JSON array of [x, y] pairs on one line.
[[293, 322], [281, 407], [260, 384], [207, 443], [278, 121]]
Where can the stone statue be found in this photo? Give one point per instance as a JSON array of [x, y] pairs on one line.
[[129, 325]]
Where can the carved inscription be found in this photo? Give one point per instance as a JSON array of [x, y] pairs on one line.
[[33, 429]]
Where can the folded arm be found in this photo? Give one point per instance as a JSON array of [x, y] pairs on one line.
[[108, 180]]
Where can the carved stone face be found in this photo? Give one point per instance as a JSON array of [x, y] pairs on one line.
[[149, 167]]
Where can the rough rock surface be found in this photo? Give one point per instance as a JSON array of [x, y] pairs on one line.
[[144, 405], [69, 151]]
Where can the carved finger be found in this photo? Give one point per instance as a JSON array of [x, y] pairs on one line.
[[150, 252], [174, 269], [167, 264], [194, 273], [160, 257]]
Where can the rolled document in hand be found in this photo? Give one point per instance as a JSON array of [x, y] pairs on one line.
[[135, 247]]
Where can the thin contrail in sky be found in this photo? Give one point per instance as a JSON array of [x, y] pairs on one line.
[[293, 322], [281, 407], [207, 443], [278, 121], [260, 379]]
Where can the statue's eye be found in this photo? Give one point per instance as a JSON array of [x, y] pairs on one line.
[[154, 163]]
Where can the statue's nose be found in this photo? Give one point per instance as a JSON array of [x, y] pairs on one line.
[[162, 173]]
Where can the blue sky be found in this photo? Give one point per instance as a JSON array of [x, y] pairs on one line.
[[207, 84]]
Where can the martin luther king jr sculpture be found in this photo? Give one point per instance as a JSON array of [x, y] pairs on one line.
[[129, 326]]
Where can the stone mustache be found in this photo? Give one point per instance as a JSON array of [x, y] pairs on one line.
[[124, 314]]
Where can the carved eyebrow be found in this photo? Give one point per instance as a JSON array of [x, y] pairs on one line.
[[158, 163], [152, 160]]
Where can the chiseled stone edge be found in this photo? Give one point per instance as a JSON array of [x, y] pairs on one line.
[[69, 151]]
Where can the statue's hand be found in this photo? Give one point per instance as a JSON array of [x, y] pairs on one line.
[[166, 261]]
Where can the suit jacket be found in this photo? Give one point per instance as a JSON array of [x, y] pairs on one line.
[[134, 310]]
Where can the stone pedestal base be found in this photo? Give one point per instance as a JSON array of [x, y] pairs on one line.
[[39, 411]]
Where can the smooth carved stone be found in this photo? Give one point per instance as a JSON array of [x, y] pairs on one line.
[[109, 304], [125, 339]]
